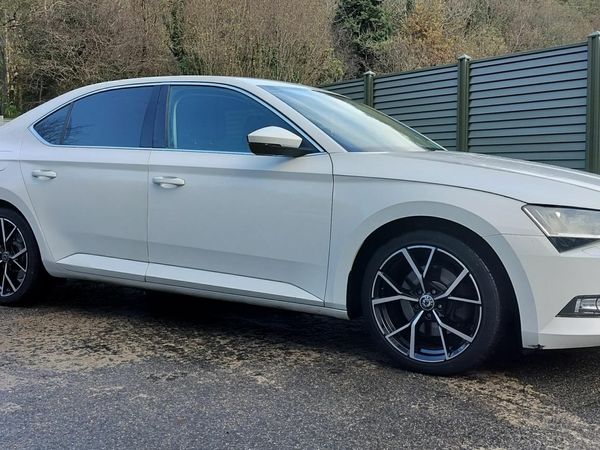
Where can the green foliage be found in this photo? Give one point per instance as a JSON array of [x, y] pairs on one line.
[[11, 111], [367, 25], [189, 62]]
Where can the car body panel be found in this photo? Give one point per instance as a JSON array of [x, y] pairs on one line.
[[555, 279], [82, 209], [521, 180], [353, 224], [117, 268], [226, 283], [259, 217]]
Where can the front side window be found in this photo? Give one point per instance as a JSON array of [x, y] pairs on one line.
[[216, 119], [356, 127], [109, 119]]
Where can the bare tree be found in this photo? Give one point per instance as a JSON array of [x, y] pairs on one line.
[[50, 46]]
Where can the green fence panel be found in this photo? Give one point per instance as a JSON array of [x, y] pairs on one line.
[[541, 105]]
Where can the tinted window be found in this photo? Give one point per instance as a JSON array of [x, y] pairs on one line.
[[109, 119], [52, 127], [216, 119]]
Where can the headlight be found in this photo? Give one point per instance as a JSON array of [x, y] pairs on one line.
[[567, 228]]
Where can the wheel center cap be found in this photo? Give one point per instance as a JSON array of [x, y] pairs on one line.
[[426, 302]]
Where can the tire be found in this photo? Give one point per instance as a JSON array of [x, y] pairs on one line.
[[21, 269], [450, 322]]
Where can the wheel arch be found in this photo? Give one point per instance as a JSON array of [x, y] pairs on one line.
[[13, 202], [399, 226]]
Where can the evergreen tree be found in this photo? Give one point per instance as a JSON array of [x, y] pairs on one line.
[[367, 25], [188, 61]]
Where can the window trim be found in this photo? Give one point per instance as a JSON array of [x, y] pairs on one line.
[[159, 137], [161, 111]]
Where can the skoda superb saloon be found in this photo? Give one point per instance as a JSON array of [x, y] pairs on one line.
[[292, 197]]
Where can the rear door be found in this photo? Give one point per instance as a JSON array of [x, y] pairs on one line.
[[86, 170]]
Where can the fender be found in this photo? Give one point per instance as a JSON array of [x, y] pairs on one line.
[[485, 222], [17, 197]]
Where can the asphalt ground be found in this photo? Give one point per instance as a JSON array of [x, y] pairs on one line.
[[96, 366]]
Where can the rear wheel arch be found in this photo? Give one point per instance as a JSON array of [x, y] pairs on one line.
[[8, 205], [395, 228], [28, 217]]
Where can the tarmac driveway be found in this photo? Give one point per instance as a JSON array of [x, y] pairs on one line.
[[97, 366]]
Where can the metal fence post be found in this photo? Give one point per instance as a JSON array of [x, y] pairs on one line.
[[369, 78], [592, 154], [462, 113]]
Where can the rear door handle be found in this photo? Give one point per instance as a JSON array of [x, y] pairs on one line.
[[43, 174], [168, 182]]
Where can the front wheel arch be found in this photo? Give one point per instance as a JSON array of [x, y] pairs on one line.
[[398, 227]]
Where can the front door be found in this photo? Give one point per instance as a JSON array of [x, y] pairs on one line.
[[223, 219]]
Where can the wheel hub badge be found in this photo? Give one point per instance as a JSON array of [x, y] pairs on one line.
[[426, 302], [5, 257]]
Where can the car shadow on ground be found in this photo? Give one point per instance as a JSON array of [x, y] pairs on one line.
[[264, 327]]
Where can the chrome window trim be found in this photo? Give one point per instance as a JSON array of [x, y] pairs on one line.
[[169, 83]]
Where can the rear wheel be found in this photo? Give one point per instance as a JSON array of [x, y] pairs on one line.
[[432, 302], [20, 263]]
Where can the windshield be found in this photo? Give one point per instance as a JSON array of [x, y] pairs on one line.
[[356, 127]]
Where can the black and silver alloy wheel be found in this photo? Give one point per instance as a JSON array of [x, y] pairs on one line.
[[13, 258], [433, 302], [426, 303], [20, 264]]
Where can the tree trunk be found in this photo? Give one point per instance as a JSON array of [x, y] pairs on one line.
[[4, 62]]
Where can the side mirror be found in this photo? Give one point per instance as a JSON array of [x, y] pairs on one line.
[[276, 141]]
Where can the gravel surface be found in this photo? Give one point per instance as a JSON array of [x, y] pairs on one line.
[[98, 366]]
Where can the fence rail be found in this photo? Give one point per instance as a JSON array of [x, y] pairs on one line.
[[541, 105]]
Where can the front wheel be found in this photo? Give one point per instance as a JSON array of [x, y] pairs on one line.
[[20, 263], [432, 303]]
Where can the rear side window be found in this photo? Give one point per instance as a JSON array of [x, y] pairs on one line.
[[52, 128], [109, 119]]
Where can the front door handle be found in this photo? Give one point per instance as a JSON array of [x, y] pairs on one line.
[[44, 174], [168, 182]]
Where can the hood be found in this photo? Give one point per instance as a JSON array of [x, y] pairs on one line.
[[524, 181]]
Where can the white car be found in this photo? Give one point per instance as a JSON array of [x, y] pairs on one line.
[[289, 196]]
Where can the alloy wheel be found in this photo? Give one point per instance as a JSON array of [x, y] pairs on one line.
[[13, 258], [426, 303]]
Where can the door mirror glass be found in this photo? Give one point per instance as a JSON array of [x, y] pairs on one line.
[[276, 141]]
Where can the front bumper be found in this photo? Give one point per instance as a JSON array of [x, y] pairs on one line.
[[551, 280]]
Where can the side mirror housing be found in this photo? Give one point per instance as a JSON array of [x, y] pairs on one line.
[[276, 141]]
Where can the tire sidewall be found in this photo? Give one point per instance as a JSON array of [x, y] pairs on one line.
[[34, 265]]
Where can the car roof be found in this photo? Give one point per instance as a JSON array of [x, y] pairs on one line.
[[235, 81]]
